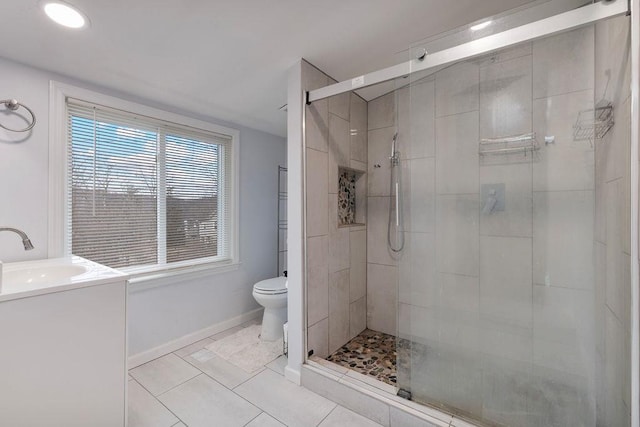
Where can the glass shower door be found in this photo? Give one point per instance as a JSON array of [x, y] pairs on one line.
[[497, 280]]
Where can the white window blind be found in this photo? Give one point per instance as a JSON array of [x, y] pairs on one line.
[[146, 192]]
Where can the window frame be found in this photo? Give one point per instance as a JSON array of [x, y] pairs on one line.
[[59, 194]]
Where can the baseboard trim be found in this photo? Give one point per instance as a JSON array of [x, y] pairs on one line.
[[171, 346], [292, 375]]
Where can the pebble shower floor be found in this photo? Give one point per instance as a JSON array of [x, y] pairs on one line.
[[371, 353]]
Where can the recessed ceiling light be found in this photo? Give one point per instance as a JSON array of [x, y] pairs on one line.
[[480, 26], [65, 14]]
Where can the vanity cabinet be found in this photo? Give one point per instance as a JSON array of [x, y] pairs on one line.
[[63, 357]]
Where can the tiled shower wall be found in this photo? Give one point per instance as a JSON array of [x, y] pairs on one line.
[[612, 226], [336, 256], [513, 300]]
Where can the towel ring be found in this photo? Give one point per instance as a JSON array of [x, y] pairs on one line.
[[13, 105]]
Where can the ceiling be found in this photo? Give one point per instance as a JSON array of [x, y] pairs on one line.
[[228, 59]]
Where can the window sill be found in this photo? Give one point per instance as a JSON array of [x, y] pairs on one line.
[[169, 276]]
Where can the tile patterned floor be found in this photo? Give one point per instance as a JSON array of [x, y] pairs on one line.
[[371, 353], [177, 390]]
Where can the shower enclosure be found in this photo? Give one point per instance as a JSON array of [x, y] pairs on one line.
[[497, 224]]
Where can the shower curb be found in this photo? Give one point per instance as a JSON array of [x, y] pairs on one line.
[[373, 403]]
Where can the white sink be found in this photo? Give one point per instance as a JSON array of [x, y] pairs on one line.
[[22, 279], [41, 275]]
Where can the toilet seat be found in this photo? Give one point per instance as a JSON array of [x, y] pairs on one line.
[[273, 286]]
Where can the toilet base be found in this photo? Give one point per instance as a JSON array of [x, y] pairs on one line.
[[272, 322]]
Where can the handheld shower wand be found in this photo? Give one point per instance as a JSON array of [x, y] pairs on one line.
[[395, 155], [395, 189]]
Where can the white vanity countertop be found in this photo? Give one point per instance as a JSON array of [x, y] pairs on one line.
[[31, 278]]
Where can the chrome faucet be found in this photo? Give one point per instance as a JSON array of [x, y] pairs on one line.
[[26, 242], [25, 239]]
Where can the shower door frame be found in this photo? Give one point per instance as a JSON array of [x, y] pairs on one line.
[[528, 32], [545, 27]]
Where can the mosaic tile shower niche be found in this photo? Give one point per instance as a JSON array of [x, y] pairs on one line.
[[348, 197]]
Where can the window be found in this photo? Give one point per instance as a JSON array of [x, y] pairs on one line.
[[145, 193]]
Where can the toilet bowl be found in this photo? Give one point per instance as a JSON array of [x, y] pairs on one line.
[[272, 295]]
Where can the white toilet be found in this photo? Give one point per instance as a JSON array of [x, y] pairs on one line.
[[272, 295]]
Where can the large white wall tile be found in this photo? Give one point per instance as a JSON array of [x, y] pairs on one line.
[[516, 218], [505, 98], [416, 120], [382, 290], [417, 324], [457, 237], [340, 105], [457, 89], [506, 341], [614, 370], [317, 114], [563, 63], [416, 270], [503, 397], [358, 128], [563, 239], [339, 250], [458, 294], [565, 164], [600, 214], [378, 216], [317, 193], [339, 147], [418, 180], [382, 111], [568, 357], [612, 59], [505, 279], [339, 240], [358, 265], [361, 193], [616, 260], [613, 152], [438, 327], [317, 279], [600, 263], [564, 315], [357, 317], [560, 398], [450, 375], [506, 54], [457, 159], [338, 309], [379, 150], [318, 338]]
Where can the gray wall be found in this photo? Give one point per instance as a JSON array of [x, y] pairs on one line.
[[160, 314]]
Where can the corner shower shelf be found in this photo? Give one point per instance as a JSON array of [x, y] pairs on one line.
[[509, 145], [593, 123]]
